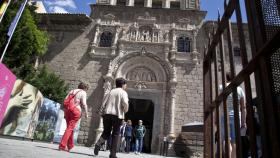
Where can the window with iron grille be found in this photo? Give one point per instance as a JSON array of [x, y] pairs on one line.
[[175, 5], [192, 4], [157, 4], [106, 39], [183, 44]]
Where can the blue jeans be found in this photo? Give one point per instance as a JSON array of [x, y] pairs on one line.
[[138, 144], [231, 126]]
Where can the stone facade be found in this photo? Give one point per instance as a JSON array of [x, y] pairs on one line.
[[141, 44]]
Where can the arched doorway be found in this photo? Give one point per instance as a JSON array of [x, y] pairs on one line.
[[148, 78], [142, 109]]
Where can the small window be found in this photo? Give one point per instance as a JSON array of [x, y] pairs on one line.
[[236, 51], [183, 44], [157, 4], [121, 2], [139, 3], [192, 4], [175, 5], [106, 39]]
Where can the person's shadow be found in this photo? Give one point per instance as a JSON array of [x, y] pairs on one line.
[[71, 152]]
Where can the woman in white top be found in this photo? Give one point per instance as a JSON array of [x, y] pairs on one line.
[[73, 114]]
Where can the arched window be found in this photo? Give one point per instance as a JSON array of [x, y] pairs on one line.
[[183, 44], [106, 39]]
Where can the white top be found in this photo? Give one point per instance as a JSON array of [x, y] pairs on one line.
[[80, 98], [240, 94], [117, 103]]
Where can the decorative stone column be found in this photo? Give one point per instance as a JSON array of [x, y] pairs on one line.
[[113, 2], [130, 2], [166, 4], [96, 34], [173, 36], [173, 43], [137, 35], [148, 3], [108, 80], [114, 45], [95, 38], [194, 51], [172, 89]]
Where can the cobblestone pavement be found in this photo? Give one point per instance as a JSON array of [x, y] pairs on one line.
[[11, 148]]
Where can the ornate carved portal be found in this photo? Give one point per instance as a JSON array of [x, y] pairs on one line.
[[150, 77]]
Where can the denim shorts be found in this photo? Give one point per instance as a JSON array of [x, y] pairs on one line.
[[231, 127]]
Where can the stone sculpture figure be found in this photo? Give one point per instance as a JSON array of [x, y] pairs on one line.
[[166, 36], [155, 38], [145, 35], [133, 35]]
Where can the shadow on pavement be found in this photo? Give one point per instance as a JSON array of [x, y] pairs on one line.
[[71, 152]]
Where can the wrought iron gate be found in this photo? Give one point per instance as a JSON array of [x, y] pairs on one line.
[[262, 71]]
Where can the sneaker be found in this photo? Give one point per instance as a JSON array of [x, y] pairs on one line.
[[63, 149], [96, 149]]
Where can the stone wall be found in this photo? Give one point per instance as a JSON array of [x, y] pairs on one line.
[[68, 57], [189, 95], [189, 145]]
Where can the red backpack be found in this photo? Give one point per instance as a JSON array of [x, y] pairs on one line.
[[69, 102]]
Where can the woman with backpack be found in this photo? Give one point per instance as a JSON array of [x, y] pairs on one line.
[[73, 104]]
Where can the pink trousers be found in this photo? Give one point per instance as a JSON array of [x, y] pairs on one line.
[[72, 117]]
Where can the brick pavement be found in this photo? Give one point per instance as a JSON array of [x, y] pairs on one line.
[[11, 148]]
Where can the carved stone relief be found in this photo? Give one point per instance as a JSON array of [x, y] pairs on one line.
[[146, 19], [109, 19], [140, 85], [141, 74]]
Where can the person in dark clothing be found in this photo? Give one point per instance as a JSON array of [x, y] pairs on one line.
[[115, 108], [128, 135]]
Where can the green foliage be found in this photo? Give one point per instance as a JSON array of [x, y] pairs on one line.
[[49, 84], [28, 42]]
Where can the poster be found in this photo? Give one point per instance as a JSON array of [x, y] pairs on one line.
[[22, 112], [3, 7], [7, 80], [61, 126], [47, 120]]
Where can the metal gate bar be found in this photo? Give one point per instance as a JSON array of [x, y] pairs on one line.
[[262, 48]]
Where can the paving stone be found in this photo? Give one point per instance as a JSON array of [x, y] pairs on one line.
[[13, 148]]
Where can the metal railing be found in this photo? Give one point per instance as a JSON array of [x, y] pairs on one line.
[[264, 34]]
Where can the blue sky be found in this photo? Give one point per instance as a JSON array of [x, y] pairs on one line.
[[82, 6]]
